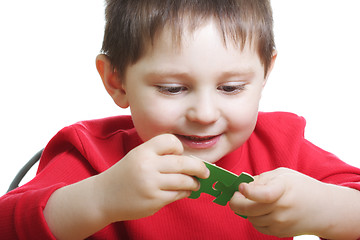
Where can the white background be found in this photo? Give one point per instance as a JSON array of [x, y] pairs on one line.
[[48, 78]]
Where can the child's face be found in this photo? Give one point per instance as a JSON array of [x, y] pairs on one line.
[[203, 92]]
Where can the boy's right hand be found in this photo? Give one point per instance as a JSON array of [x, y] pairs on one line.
[[149, 177]]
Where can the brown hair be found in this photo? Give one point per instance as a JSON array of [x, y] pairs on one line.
[[132, 24]]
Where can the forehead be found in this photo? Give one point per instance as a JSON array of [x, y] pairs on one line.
[[180, 36], [203, 47]]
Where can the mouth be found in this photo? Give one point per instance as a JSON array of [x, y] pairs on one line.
[[199, 142]]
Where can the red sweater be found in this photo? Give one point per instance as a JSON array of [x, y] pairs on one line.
[[87, 148]]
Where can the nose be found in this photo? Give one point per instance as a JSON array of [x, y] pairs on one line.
[[203, 109]]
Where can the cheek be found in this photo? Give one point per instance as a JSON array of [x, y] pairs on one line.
[[155, 118], [243, 125], [242, 120]]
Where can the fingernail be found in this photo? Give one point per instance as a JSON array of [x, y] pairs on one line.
[[207, 173], [242, 188]]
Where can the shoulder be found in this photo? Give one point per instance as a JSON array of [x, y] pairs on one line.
[[106, 139], [277, 138], [106, 130], [280, 123], [105, 127], [100, 129]]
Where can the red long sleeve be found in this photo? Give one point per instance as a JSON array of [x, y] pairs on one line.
[[88, 148]]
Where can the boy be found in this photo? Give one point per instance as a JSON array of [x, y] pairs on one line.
[[192, 73]]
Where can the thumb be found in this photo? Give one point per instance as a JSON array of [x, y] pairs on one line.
[[165, 144], [261, 192]]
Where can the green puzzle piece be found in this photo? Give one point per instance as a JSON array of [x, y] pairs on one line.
[[216, 174], [228, 191], [221, 184]]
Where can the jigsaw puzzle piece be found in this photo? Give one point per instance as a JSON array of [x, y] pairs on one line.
[[221, 184], [227, 191], [216, 174]]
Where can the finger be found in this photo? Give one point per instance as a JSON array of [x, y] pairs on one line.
[[172, 196], [165, 144], [270, 175], [265, 230], [185, 165], [270, 225], [260, 221], [178, 182], [263, 193], [243, 206]]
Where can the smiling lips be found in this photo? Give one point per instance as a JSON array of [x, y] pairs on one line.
[[199, 142]]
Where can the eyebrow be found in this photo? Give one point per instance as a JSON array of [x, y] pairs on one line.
[[248, 73], [161, 75], [243, 73]]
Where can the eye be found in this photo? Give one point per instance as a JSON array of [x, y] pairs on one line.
[[171, 89], [231, 89]]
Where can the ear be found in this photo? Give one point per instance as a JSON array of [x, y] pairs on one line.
[[111, 80], [271, 66]]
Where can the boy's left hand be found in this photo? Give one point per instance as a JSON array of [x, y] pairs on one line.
[[285, 203]]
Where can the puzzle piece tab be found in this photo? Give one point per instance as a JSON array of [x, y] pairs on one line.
[[221, 184], [216, 174], [228, 191]]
